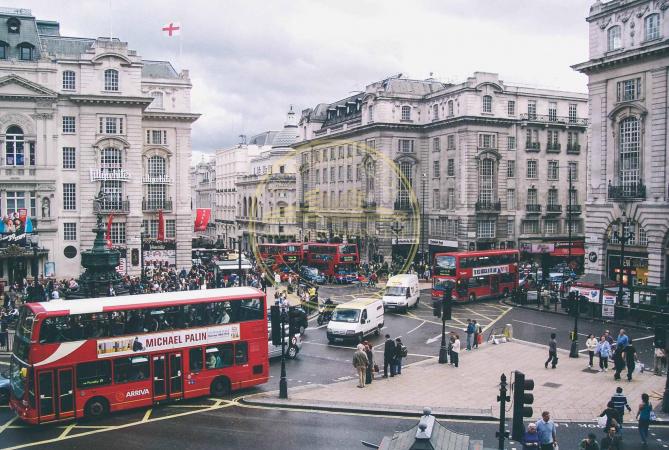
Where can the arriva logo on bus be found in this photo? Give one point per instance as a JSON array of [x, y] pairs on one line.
[[137, 392]]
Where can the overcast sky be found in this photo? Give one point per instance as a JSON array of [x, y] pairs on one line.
[[250, 59]]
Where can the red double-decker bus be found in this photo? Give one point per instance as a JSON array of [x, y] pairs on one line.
[[75, 358], [475, 275], [337, 261], [279, 255]]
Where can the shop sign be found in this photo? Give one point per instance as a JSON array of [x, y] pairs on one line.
[[406, 241], [575, 244], [442, 242], [536, 248], [109, 174], [591, 294], [49, 269]]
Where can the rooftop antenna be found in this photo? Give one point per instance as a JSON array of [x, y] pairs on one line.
[[242, 139]]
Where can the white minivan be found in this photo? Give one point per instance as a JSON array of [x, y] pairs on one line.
[[356, 319], [402, 292]]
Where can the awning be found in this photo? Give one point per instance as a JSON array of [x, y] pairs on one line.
[[576, 251]]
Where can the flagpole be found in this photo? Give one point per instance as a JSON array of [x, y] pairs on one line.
[[180, 47], [111, 21]]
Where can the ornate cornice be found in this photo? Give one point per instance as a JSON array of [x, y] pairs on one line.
[[161, 115], [110, 100]]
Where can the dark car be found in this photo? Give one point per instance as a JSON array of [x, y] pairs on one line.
[[4, 388], [311, 274]]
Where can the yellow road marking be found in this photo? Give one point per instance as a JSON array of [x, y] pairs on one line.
[[7, 424], [478, 314], [67, 430], [147, 414], [495, 321]]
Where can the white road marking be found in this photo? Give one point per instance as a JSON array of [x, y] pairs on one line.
[[535, 324], [434, 339], [414, 329]]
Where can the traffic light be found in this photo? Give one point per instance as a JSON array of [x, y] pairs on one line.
[[521, 398], [436, 308], [447, 300], [275, 311]]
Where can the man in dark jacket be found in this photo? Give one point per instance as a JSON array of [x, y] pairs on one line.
[[388, 357]]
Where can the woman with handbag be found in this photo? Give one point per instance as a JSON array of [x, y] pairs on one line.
[[646, 415]]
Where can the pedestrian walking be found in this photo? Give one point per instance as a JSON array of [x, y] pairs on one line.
[[591, 344], [644, 414], [388, 357], [604, 351], [623, 340], [400, 353], [620, 403], [547, 432], [612, 440], [612, 417], [618, 362], [360, 363], [589, 443], [552, 352], [660, 362], [531, 438], [455, 351], [369, 373], [477, 334], [631, 359], [470, 334]]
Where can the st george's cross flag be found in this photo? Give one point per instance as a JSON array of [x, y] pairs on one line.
[[172, 29]]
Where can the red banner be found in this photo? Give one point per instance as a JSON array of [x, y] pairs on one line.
[[109, 227], [161, 225], [202, 218], [23, 214]]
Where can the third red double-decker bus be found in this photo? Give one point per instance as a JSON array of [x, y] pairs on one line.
[[337, 261], [75, 358], [280, 255], [475, 275]]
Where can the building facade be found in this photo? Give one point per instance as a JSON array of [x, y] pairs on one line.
[[627, 164], [79, 116], [203, 196], [423, 166], [267, 195]]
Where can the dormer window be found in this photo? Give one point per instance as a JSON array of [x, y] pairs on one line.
[[157, 102], [26, 51], [13, 25], [111, 80], [614, 38], [406, 112]]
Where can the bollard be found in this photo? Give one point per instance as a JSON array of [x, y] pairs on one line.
[[508, 331]]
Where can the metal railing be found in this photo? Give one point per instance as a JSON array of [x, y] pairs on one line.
[[112, 206], [156, 204], [627, 192], [488, 206], [368, 205], [553, 208], [553, 148], [574, 209], [533, 208], [402, 205], [552, 119], [573, 149], [532, 146]]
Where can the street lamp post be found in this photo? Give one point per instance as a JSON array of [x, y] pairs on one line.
[[575, 306], [283, 383], [623, 235], [396, 228], [422, 220], [443, 358], [142, 235]]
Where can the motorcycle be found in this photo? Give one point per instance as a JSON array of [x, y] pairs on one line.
[[324, 314]]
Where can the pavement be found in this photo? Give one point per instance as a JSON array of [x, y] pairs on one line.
[[571, 392]]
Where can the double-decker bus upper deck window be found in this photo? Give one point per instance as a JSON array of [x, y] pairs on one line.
[[292, 249], [96, 373], [25, 326], [347, 249], [445, 265]]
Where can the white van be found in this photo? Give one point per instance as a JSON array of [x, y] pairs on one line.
[[356, 319], [401, 292]]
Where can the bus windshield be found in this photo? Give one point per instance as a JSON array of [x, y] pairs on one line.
[[346, 315], [444, 265], [395, 291], [347, 249]]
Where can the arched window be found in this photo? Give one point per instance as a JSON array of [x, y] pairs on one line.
[[614, 38], [629, 162], [406, 112], [69, 80], [487, 104], [14, 146], [487, 181], [26, 51], [157, 102], [244, 213], [111, 80], [652, 26], [450, 108], [157, 167]]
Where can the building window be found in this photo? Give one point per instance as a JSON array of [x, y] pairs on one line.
[[349, 150], [157, 167], [436, 169], [14, 146], [15, 201], [26, 52], [573, 197], [436, 144], [572, 166], [532, 109], [405, 145], [572, 112], [552, 226], [532, 139], [531, 227], [532, 169], [435, 199], [117, 233], [3, 50], [156, 137], [69, 231], [643, 237], [511, 108], [406, 112], [510, 227], [511, 199], [156, 196], [485, 229], [69, 80], [614, 38], [450, 167], [487, 104], [349, 173], [487, 141], [405, 183], [553, 170], [511, 168], [110, 158], [69, 196], [332, 154], [69, 158], [486, 181], [341, 152], [13, 25], [652, 26], [69, 124], [628, 90], [532, 196], [340, 173], [111, 125], [450, 142], [325, 175], [511, 142], [450, 204], [170, 228], [553, 197], [435, 112], [575, 227], [629, 164], [157, 102], [370, 111], [111, 80], [332, 175], [552, 111]]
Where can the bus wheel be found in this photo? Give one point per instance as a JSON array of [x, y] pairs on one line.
[[220, 387], [96, 408], [472, 297]]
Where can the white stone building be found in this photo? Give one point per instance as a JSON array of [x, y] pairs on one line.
[[483, 162], [203, 195], [628, 168], [79, 115]]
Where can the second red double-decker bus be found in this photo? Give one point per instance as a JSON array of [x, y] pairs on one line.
[[338, 261], [475, 275], [280, 255], [75, 358]]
